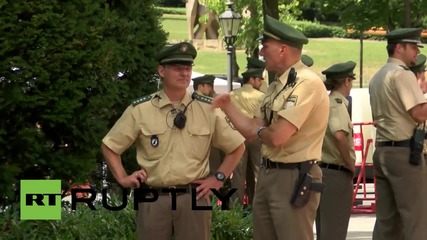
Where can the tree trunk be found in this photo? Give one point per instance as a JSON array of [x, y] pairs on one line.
[[407, 13], [271, 8]]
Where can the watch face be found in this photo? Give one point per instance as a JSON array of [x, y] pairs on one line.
[[220, 176]]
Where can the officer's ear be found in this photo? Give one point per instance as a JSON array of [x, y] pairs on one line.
[[161, 70]]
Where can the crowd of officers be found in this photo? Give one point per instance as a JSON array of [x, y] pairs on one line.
[[288, 148]]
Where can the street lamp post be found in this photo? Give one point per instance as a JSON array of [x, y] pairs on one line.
[[230, 23]]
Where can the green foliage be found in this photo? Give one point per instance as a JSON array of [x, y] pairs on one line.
[[171, 10], [317, 30], [83, 223], [59, 83], [362, 15]]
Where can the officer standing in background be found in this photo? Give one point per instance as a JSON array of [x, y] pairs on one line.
[[291, 125], [204, 85], [255, 63], [338, 156], [173, 132], [419, 70], [248, 100], [398, 107]]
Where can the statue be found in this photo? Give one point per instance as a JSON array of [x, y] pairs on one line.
[[195, 10]]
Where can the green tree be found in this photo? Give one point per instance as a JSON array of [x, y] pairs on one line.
[[362, 15], [67, 71]]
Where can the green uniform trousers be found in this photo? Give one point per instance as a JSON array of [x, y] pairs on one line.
[[247, 170], [156, 220], [273, 215], [333, 214], [401, 206]]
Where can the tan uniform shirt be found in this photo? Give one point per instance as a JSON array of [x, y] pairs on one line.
[[264, 85], [305, 104], [169, 155], [393, 91], [339, 120], [247, 99]]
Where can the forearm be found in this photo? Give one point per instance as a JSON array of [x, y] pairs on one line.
[[344, 148], [114, 163], [231, 160]]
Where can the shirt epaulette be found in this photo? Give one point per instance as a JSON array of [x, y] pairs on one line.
[[141, 100], [338, 100], [204, 99], [404, 67]]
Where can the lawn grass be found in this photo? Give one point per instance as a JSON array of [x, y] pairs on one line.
[[176, 26], [324, 52]]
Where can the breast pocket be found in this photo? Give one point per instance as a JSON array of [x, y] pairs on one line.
[[199, 140], [154, 141]]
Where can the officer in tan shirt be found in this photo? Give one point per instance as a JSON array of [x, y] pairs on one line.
[[398, 106], [204, 85], [291, 125], [338, 156], [248, 100], [173, 132]]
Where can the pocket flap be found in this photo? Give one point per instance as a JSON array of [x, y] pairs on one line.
[[155, 130], [199, 130]]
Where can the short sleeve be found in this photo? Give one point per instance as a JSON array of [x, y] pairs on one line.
[[225, 137], [407, 89], [124, 132], [338, 119], [305, 97]]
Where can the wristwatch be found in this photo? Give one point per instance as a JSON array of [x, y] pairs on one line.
[[220, 176]]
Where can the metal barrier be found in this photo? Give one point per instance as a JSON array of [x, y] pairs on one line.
[[359, 145]]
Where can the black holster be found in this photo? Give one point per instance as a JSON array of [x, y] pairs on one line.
[[304, 186], [417, 145]]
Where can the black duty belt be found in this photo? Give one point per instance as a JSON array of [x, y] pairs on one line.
[[334, 167], [164, 190], [268, 164], [404, 143]]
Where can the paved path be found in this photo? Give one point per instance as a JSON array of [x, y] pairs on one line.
[[360, 227]]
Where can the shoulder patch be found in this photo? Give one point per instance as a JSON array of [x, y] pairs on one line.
[[404, 67], [141, 100], [204, 99], [338, 100]]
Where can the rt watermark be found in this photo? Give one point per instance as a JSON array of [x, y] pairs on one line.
[[41, 199]]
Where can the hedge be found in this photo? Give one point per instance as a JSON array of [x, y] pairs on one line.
[[83, 223]]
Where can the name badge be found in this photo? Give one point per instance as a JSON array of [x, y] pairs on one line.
[[154, 141]]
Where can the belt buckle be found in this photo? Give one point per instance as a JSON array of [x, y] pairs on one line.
[[171, 187]]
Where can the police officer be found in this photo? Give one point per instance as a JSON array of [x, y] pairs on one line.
[[398, 106], [204, 85], [173, 131], [248, 100], [419, 70], [291, 125], [255, 63], [338, 156]]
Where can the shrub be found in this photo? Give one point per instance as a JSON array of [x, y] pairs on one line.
[[83, 223], [317, 30], [170, 10]]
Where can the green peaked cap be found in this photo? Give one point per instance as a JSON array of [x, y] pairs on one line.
[[405, 35], [254, 63], [340, 70], [204, 79], [420, 65], [274, 29], [180, 53], [307, 60]]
